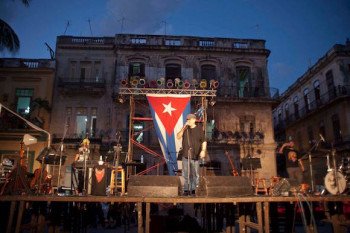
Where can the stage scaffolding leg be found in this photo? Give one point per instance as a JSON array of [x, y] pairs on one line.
[[266, 206], [245, 225], [131, 132], [139, 218], [148, 210], [19, 216], [10, 220]]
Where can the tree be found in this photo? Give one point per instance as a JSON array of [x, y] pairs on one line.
[[8, 37]]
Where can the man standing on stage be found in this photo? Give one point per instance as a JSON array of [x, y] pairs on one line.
[[193, 149], [294, 164]]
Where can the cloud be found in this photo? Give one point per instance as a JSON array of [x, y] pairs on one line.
[[137, 16]]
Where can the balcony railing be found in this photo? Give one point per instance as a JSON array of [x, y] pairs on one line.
[[26, 63], [338, 92], [101, 82], [235, 92]]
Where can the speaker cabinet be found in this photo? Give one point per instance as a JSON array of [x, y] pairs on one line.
[[224, 186], [154, 186]]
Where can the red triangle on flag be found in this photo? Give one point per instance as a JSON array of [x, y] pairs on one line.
[[168, 109]]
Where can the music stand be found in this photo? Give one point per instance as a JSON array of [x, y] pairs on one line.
[[251, 164]]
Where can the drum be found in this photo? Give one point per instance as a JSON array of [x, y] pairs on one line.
[[335, 182]]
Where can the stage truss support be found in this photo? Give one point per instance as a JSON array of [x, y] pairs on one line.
[[132, 92]]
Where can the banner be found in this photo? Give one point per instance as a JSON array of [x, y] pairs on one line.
[[169, 115]]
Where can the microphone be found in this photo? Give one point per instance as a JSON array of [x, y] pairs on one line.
[[322, 138]]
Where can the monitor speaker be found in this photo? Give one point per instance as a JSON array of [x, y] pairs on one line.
[[154, 186], [224, 186]]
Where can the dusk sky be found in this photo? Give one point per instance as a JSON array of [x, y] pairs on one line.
[[298, 32]]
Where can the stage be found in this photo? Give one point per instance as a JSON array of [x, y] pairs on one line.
[[261, 223]]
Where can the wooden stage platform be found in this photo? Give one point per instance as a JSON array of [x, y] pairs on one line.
[[262, 223]]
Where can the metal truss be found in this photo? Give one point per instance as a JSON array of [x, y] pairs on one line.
[[144, 91]]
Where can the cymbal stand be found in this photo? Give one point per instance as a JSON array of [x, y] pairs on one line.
[[335, 171], [314, 147]]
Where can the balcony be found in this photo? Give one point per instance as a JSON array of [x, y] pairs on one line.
[[329, 97], [94, 87], [27, 63], [248, 93]]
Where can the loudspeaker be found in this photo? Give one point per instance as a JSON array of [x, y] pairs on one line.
[[224, 186], [154, 186]]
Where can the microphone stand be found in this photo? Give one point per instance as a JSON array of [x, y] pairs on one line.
[[61, 151], [310, 164]]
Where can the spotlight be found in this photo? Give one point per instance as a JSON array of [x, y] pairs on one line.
[[169, 83], [124, 82], [203, 84], [121, 99], [134, 81], [213, 84], [178, 83], [212, 102], [160, 82], [187, 84], [153, 84], [142, 82], [195, 83]]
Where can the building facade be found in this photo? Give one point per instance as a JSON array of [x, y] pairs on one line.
[[26, 89], [90, 72], [318, 104]]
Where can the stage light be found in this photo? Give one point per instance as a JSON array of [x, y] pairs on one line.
[[178, 83], [169, 83], [186, 84], [121, 99], [29, 140], [124, 82], [195, 83], [161, 82], [153, 84], [203, 84], [212, 102], [142, 82], [213, 84], [134, 81]]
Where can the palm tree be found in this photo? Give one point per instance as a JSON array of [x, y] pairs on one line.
[[8, 37]]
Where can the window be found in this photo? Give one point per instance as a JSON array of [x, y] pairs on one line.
[[330, 85], [136, 69], [317, 92], [24, 97], [286, 111], [208, 72], [97, 71], [206, 43], [279, 116], [73, 69], [322, 129], [138, 40], [81, 122], [93, 122], [172, 71], [68, 115], [336, 128], [173, 42], [310, 135], [244, 82], [85, 71], [296, 107], [240, 45], [306, 99]]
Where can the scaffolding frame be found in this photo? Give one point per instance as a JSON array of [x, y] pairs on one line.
[[132, 92]]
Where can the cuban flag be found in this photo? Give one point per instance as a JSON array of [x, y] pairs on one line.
[[169, 115]]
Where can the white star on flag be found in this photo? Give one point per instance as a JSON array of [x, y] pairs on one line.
[[168, 108]]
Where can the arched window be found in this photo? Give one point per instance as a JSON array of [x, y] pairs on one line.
[[172, 71], [296, 107], [306, 99], [244, 81], [286, 111], [208, 72], [317, 91], [136, 69], [330, 85]]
